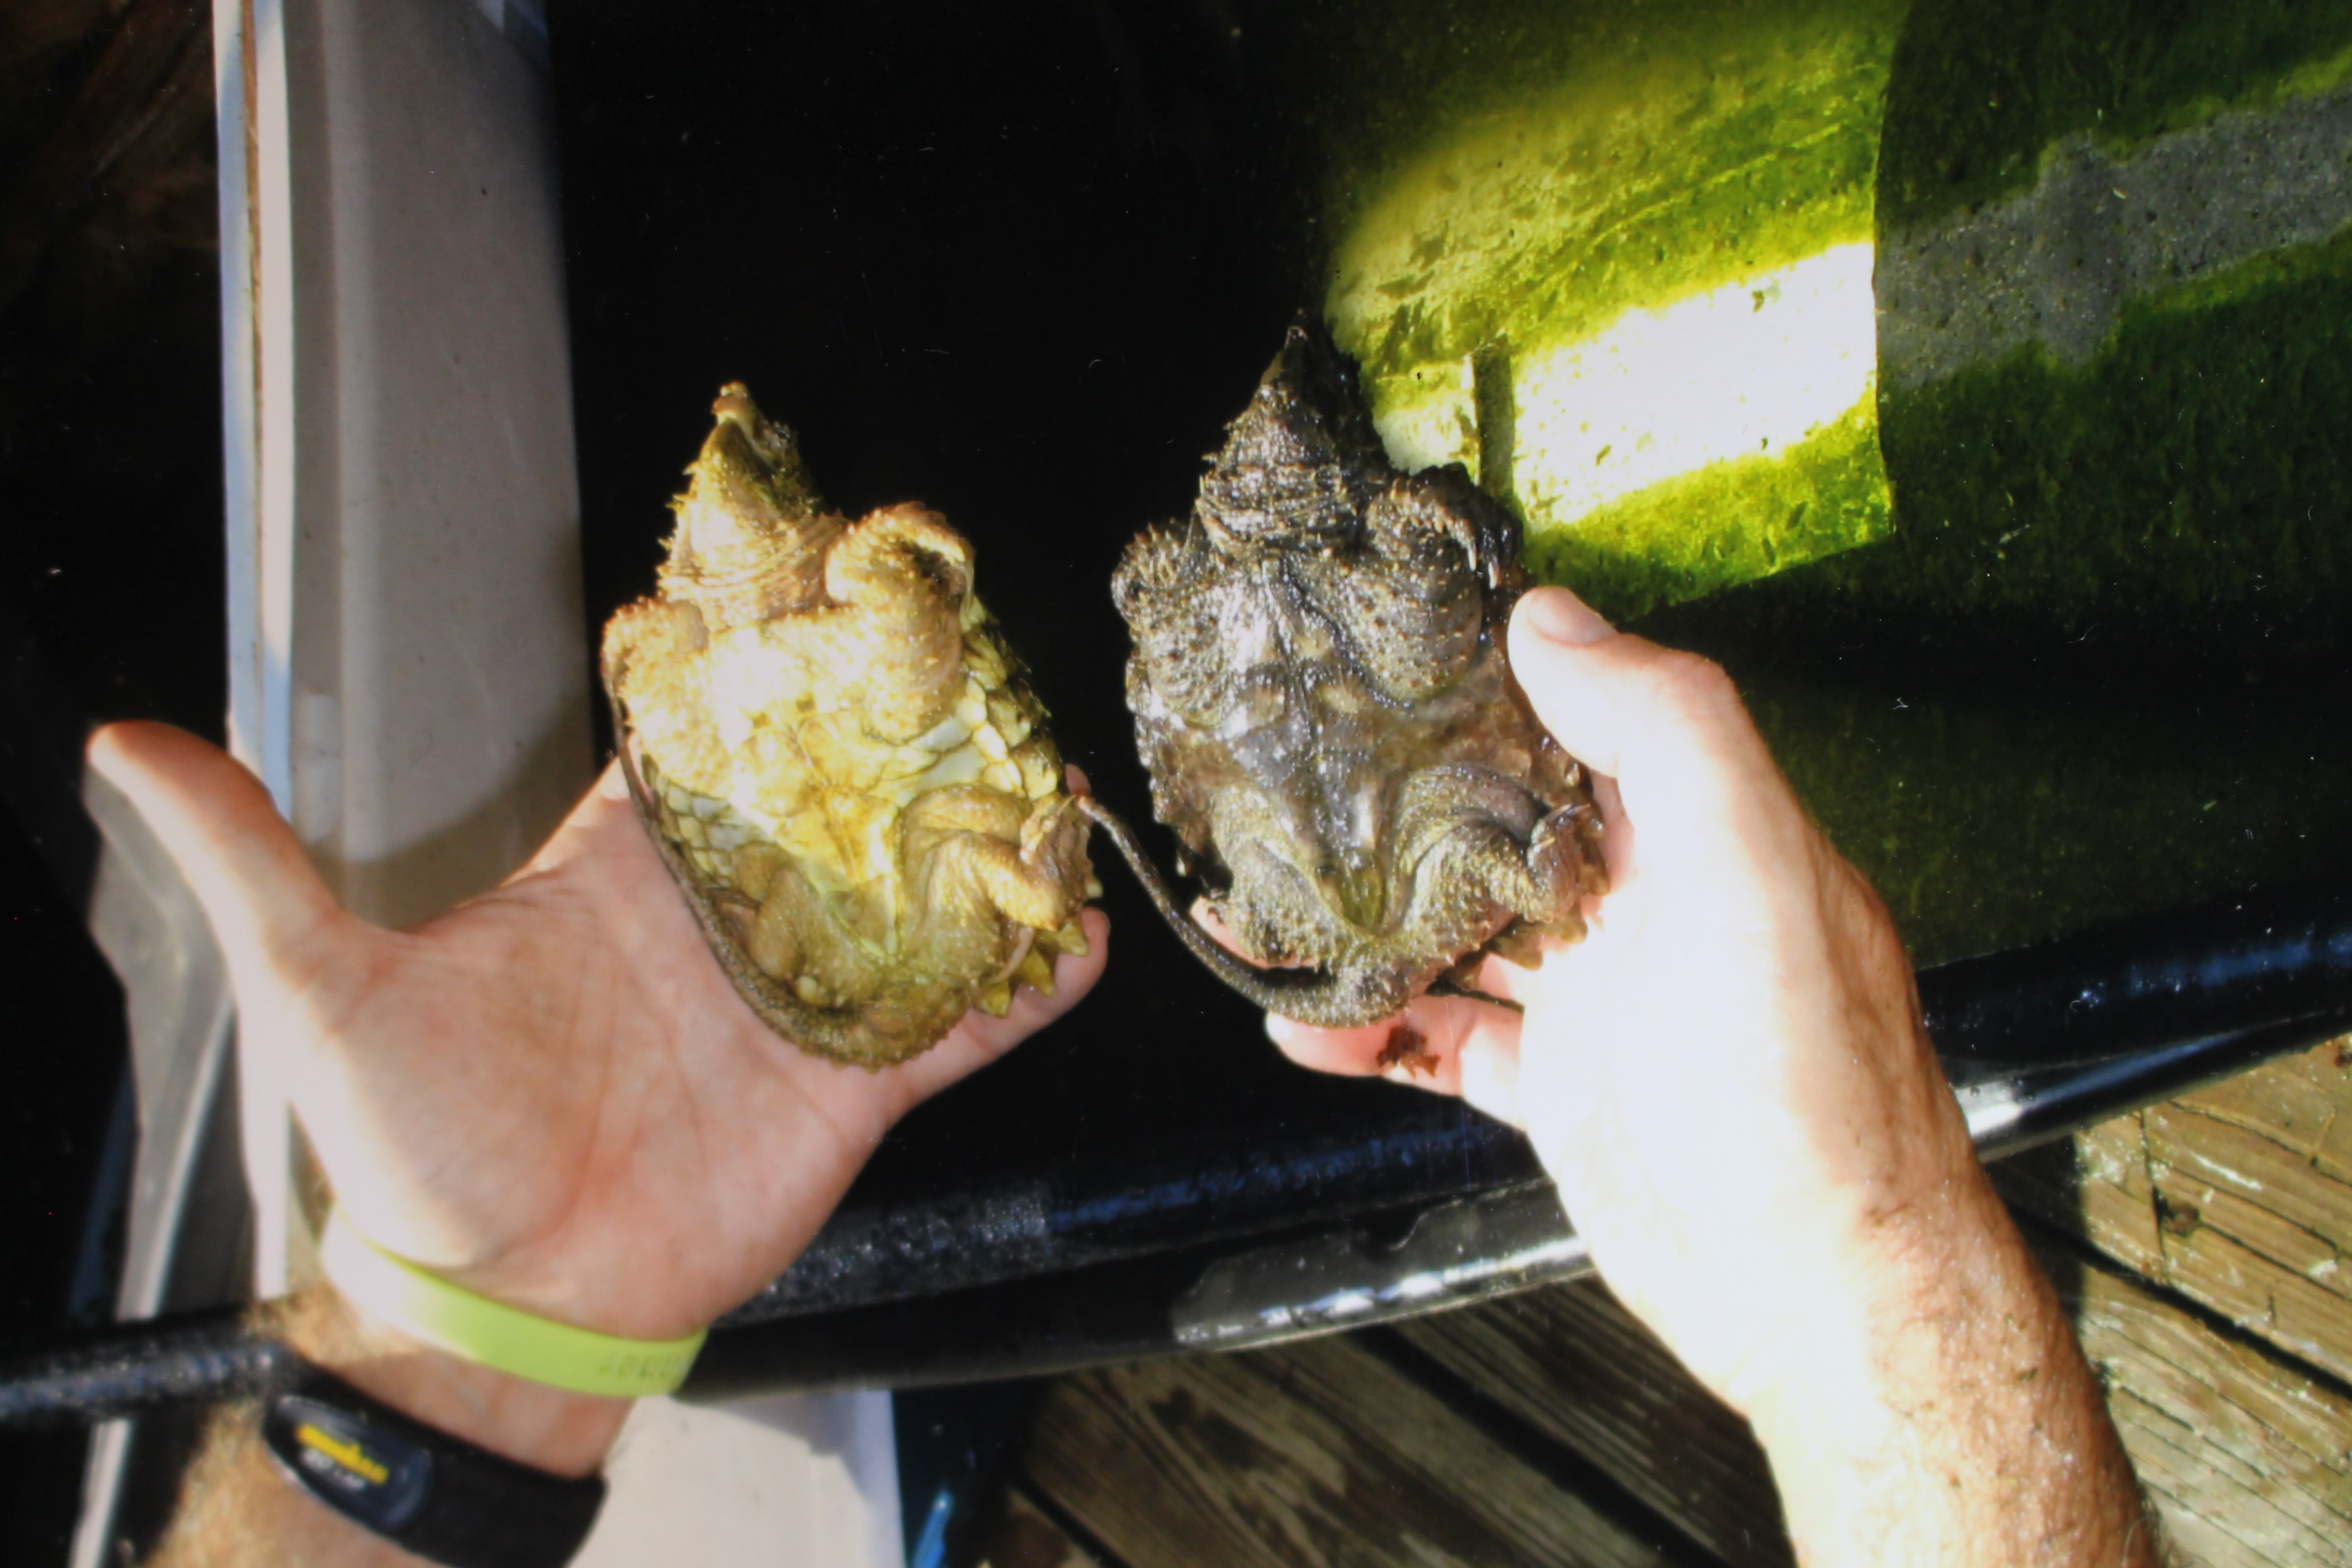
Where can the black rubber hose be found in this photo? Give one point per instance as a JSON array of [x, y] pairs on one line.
[[2238, 964], [189, 1357]]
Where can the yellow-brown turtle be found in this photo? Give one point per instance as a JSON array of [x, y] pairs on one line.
[[840, 759]]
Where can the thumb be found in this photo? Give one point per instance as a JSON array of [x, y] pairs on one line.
[[257, 886], [1668, 726]]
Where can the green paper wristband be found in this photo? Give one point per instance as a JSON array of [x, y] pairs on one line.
[[473, 1328]]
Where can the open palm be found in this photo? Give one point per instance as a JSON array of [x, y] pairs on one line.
[[550, 1094]]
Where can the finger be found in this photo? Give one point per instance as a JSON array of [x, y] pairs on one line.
[[1614, 701], [1456, 1046], [1489, 1067], [1472, 1051], [1617, 836], [1561, 616], [1345, 1053], [258, 887], [1499, 977], [1667, 726], [1074, 974], [612, 783], [604, 813]]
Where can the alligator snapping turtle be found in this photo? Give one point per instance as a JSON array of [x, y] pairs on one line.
[[1322, 695], [839, 759]]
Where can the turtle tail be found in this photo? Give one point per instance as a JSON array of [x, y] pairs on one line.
[[1319, 997]]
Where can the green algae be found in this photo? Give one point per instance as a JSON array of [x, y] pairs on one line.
[[1996, 814], [1628, 158], [1727, 150], [1987, 87], [1730, 521], [2044, 642], [2091, 672], [2117, 600], [2191, 480]]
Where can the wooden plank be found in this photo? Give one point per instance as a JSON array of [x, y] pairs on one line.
[[2301, 1098], [1575, 1364], [2288, 1207], [1318, 1453], [2239, 1196], [2096, 1185], [2247, 1459], [1023, 1536]]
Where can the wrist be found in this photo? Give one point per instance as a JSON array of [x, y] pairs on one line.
[[547, 1428]]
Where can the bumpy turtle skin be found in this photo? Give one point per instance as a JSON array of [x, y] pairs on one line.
[[840, 761], [1323, 696]]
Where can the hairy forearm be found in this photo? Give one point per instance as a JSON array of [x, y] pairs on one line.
[[1962, 1426], [238, 1510]]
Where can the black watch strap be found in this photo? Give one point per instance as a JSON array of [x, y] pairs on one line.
[[432, 1495]]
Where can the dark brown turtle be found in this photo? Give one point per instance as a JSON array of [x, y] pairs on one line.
[[1323, 696]]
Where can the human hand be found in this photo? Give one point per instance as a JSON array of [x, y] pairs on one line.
[[1729, 1082], [550, 1095], [1727, 1077]]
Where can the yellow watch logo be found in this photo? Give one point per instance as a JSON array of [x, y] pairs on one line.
[[349, 1456]]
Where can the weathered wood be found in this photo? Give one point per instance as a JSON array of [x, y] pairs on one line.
[[1023, 1536], [1575, 1364], [2248, 1459], [2096, 1185], [2304, 1099], [2239, 1196], [1319, 1453]]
